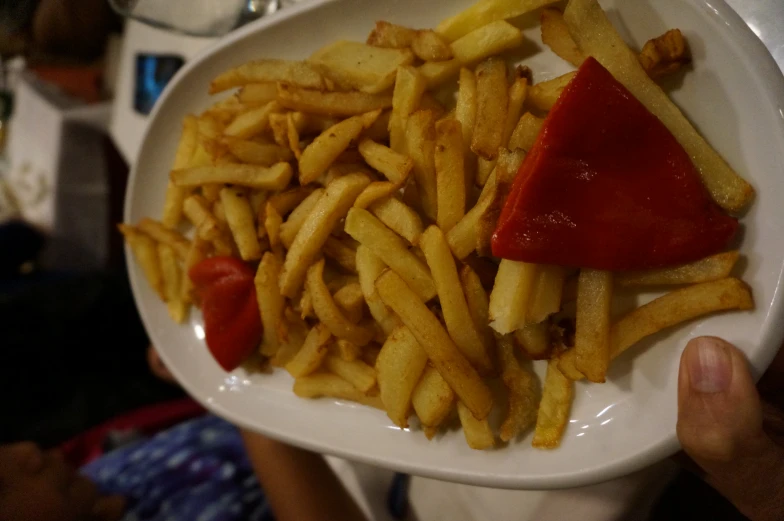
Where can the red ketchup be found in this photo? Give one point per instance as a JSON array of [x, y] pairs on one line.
[[607, 186]]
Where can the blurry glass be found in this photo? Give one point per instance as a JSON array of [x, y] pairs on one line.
[[198, 17]]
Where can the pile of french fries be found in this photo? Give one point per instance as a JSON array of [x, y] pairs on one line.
[[365, 184]]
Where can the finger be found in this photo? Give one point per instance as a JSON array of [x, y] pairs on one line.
[[720, 425]]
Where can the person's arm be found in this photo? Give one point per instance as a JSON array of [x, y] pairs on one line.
[[299, 484]]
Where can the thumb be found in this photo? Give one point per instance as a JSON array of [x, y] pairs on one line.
[[720, 425]]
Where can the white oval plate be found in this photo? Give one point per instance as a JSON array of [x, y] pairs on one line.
[[735, 97]]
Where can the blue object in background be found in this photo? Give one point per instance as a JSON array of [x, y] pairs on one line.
[[153, 72]]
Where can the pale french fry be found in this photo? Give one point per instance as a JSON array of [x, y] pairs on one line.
[[592, 336], [346, 350], [271, 303], [432, 398], [356, 372], [160, 233], [399, 217], [376, 191], [478, 305], [343, 254], [320, 154], [512, 290], [477, 433], [256, 153], [432, 336], [458, 319], [546, 297], [450, 174], [430, 47], [534, 340], [331, 208], [464, 236], [252, 122], [438, 73], [302, 74], [285, 202], [290, 228], [329, 313], [360, 66], [272, 223], [332, 386], [392, 250], [393, 165], [488, 40], [145, 252], [596, 36], [197, 253], [483, 13], [523, 393], [543, 95], [553, 415], [555, 35], [172, 276], [312, 352], [526, 131], [275, 177], [241, 222], [708, 269], [518, 91], [369, 267], [465, 113], [492, 100], [350, 300], [420, 146], [258, 93], [399, 367], [331, 103], [175, 195], [385, 34]]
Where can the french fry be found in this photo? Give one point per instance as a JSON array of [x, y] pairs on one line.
[[433, 399], [316, 228], [458, 319], [465, 113], [359, 66], [331, 103], [172, 276], [285, 202], [295, 331], [369, 268], [197, 210], [507, 166], [326, 148], [596, 36], [708, 269], [553, 415], [483, 13], [240, 218], [534, 340], [555, 35], [546, 297], [332, 386], [346, 350], [438, 73], [393, 165], [420, 146], [275, 177], [312, 352], [526, 131], [356, 372], [257, 93], [341, 253], [518, 91], [543, 95], [464, 236], [489, 40], [160, 233], [350, 300], [197, 253], [478, 305], [269, 71], [253, 122], [392, 250], [272, 223], [145, 252], [376, 191], [450, 174], [665, 54], [385, 34], [398, 217], [521, 385], [399, 367], [271, 303], [514, 285], [292, 135], [492, 102], [256, 153], [592, 336], [477, 433], [329, 313], [290, 228], [210, 190], [440, 348], [430, 47], [175, 195]]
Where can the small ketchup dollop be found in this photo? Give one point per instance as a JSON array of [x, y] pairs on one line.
[[232, 323], [607, 186]]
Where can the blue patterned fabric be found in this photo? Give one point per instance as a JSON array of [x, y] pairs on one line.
[[196, 471]]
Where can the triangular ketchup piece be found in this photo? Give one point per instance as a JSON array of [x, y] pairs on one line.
[[606, 186]]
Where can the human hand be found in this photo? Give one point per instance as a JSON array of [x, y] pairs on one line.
[[734, 436]]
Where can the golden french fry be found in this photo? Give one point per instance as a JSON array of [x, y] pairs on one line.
[[385, 34], [398, 217], [290, 228], [440, 348], [450, 174], [506, 169], [331, 103], [359, 66], [241, 222], [523, 394], [197, 211], [369, 268], [275, 177], [294, 332], [592, 336], [392, 250], [465, 113], [420, 146], [478, 305], [197, 253], [271, 303], [160, 233], [553, 415], [543, 95], [257, 93], [393, 165], [252, 122], [343, 254], [257, 153], [458, 319], [534, 340], [555, 35], [548, 289], [356, 372], [292, 135], [430, 47], [488, 40], [708, 269], [318, 225], [172, 276], [463, 238], [302, 74], [512, 290], [432, 398], [346, 350], [526, 131], [518, 91], [312, 352], [596, 36], [399, 367], [438, 73], [483, 13], [492, 100], [272, 223], [326, 148], [329, 313], [210, 191], [145, 252], [665, 54], [285, 202], [375, 191], [350, 300], [379, 130], [477, 433], [332, 386], [175, 195]]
